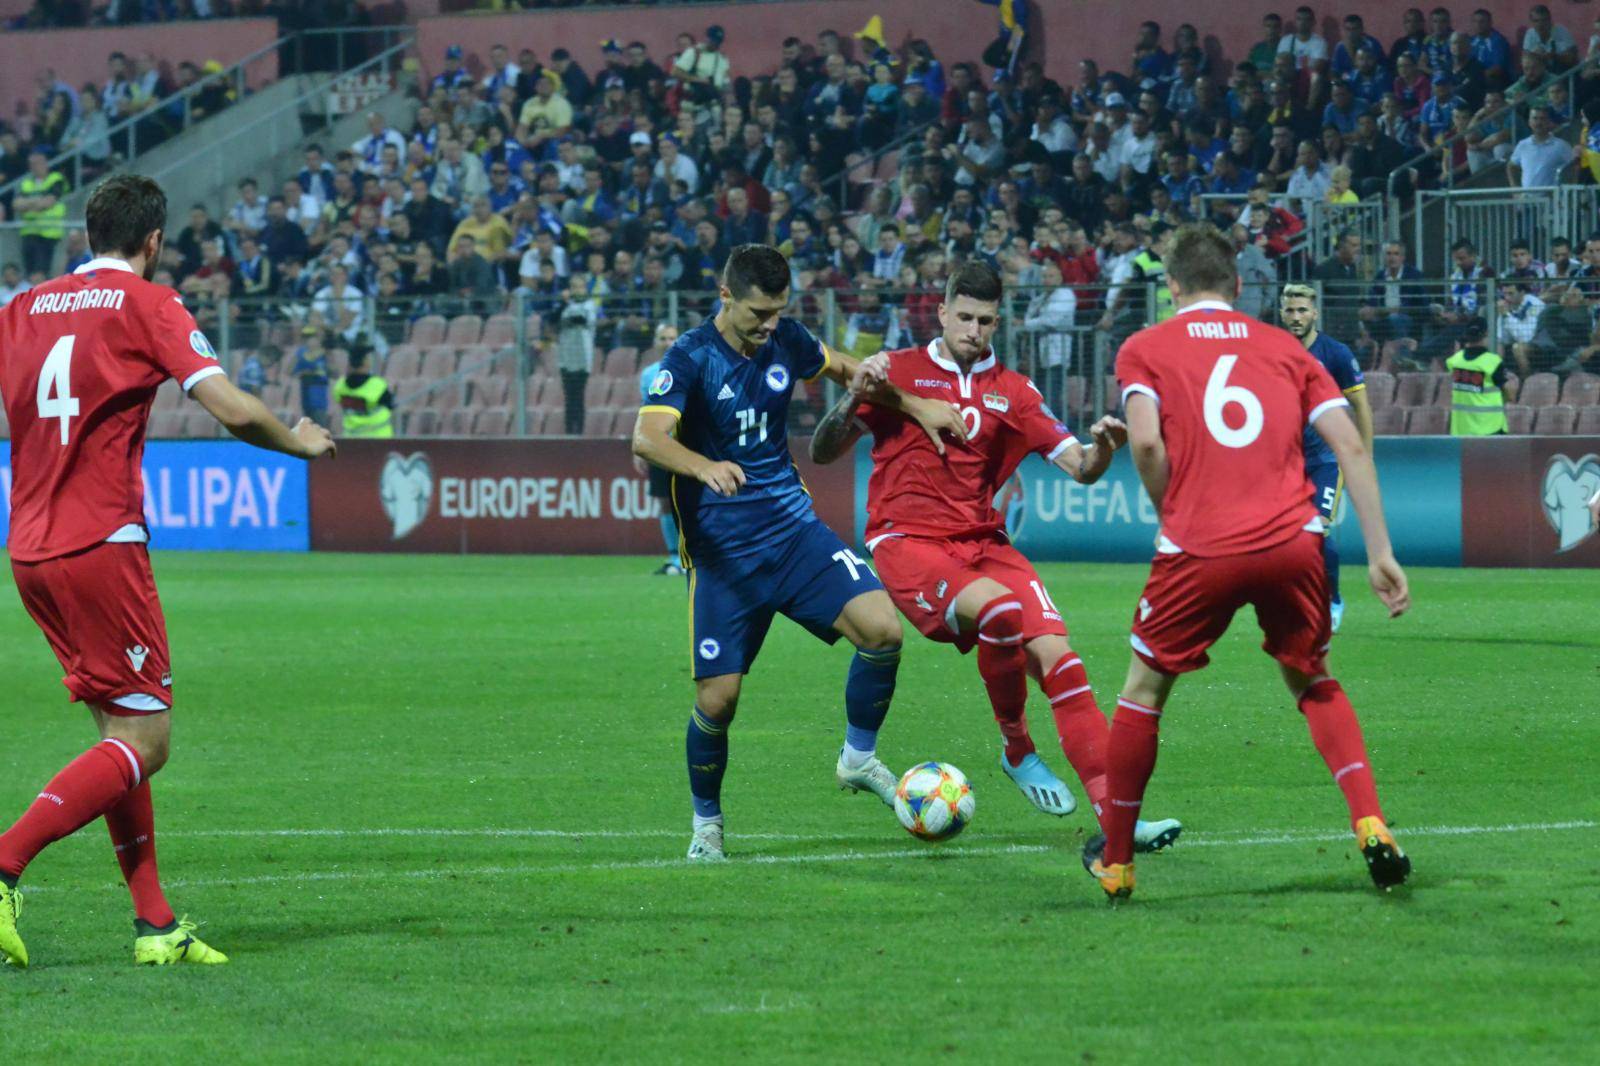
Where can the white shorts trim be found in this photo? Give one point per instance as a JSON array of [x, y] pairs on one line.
[[1144, 390], [140, 701], [1324, 407], [872, 544], [1066, 442]]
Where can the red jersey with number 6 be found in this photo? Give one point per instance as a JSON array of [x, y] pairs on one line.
[[81, 357], [1235, 396], [917, 491]]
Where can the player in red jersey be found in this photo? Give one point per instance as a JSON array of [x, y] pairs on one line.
[[1216, 406], [81, 358], [940, 545]]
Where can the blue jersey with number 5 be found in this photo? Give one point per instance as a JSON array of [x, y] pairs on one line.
[[735, 408], [1340, 362]]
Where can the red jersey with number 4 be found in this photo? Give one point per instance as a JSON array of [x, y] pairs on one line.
[[81, 358], [913, 488], [1235, 396]]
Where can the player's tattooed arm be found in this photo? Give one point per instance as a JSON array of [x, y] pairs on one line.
[[837, 431], [1088, 465]]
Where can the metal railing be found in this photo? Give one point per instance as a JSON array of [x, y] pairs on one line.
[[1495, 219], [870, 160]]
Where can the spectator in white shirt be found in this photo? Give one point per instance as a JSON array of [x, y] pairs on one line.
[[1052, 315], [1519, 317], [1138, 151], [369, 149], [340, 303], [1557, 44], [674, 165], [248, 214], [1538, 160], [1308, 47], [1051, 127], [302, 208], [1310, 180]]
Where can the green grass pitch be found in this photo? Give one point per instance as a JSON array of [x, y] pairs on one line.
[[435, 809]]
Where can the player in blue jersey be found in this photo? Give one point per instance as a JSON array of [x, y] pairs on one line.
[[715, 416], [1297, 307]]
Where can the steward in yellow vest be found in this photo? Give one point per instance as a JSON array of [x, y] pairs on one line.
[[1477, 381], [365, 399]]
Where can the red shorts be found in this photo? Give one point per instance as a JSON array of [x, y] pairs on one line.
[[1189, 602], [99, 611], [924, 576]]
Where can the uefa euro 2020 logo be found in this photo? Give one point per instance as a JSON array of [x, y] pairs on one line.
[[1568, 487], [406, 489]]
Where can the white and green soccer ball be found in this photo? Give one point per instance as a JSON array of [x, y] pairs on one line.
[[934, 801]]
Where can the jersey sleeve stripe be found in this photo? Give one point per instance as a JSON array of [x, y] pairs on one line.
[[200, 375], [1357, 387], [1325, 406], [1066, 442], [653, 408], [827, 361], [1144, 390]]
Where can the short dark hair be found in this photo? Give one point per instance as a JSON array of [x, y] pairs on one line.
[[756, 266], [1521, 244], [976, 279], [1202, 259], [122, 212], [1464, 245]]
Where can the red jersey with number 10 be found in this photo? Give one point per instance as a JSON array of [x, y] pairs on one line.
[[913, 488], [1235, 396], [81, 357]]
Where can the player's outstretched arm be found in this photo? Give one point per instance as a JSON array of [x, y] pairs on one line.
[[1088, 465], [838, 431], [654, 443], [1149, 450], [934, 416], [1361, 481], [249, 419]]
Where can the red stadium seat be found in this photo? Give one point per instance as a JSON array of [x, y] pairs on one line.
[[403, 361], [1380, 388], [1428, 422], [439, 362], [622, 362], [490, 392], [427, 331], [1519, 419], [499, 331], [456, 423], [1389, 421], [1588, 422], [1556, 420], [1540, 390], [597, 392], [463, 329], [1581, 390], [1414, 389], [1442, 393], [597, 421], [476, 358], [494, 422], [423, 423]]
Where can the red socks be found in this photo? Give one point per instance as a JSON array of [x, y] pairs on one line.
[[1080, 724], [1130, 758], [133, 834], [1337, 735], [88, 787], [1003, 665]]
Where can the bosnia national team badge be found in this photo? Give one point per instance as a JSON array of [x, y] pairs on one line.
[[662, 383], [201, 346], [777, 377], [994, 401]]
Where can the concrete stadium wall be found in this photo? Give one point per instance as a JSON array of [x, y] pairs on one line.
[[80, 55]]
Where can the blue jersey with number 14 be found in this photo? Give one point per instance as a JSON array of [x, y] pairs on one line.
[[1340, 362], [735, 408]]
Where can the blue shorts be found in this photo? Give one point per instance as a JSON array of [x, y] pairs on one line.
[[1329, 491], [808, 578]]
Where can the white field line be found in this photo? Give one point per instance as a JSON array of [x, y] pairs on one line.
[[921, 852]]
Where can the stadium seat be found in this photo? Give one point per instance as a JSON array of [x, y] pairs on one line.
[[423, 423], [427, 331], [1380, 388], [169, 397], [597, 392], [446, 397], [597, 421], [1414, 389], [1519, 419], [1428, 422], [1556, 420], [474, 359], [622, 362], [463, 330], [1443, 395], [1581, 390], [490, 392], [538, 385], [1588, 421], [403, 361], [456, 423], [1540, 390], [1389, 421], [493, 422], [499, 331], [439, 362], [198, 423], [166, 425]]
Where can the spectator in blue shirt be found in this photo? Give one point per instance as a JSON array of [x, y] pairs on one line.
[[1230, 179], [1180, 180], [1410, 42], [1489, 46], [1149, 60], [1354, 39], [1181, 96], [1434, 120], [1436, 46], [1343, 110], [1369, 81], [503, 188]]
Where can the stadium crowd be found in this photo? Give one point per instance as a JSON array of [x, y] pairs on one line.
[[600, 184]]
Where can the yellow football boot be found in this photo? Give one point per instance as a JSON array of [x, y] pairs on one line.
[[12, 951], [1386, 863], [178, 946]]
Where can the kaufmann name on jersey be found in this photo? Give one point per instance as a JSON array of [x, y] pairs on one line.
[[55, 303], [1218, 331]]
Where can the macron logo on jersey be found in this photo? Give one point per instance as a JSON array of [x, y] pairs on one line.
[[55, 303]]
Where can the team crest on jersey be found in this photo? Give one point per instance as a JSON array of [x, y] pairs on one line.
[[710, 649], [201, 346], [922, 601], [662, 383], [778, 377], [939, 590], [994, 401]]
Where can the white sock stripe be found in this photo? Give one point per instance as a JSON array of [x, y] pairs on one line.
[[1080, 690], [1000, 640], [1127, 803], [1348, 769], [133, 760], [1009, 605], [1141, 708]]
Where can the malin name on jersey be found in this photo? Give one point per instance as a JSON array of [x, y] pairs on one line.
[[1219, 331], [49, 303]]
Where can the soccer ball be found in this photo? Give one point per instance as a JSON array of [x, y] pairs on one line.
[[934, 801]]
